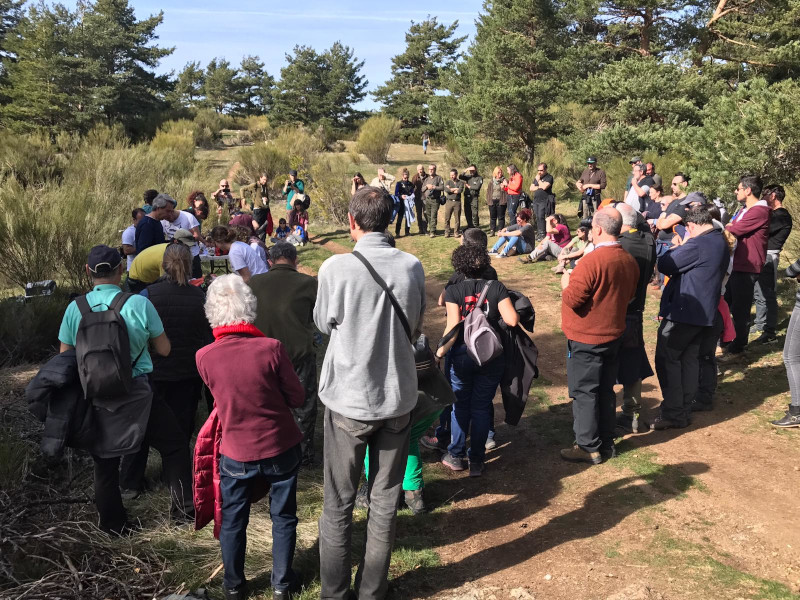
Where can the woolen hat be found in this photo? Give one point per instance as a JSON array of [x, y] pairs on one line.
[[103, 260]]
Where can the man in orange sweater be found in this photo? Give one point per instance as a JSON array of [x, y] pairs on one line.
[[595, 299]]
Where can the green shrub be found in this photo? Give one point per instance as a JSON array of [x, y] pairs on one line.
[[263, 158], [208, 125], [331, 189], [299, 144], [30, 159], [376, 136], [29, 330], [27, 235], [259, 128]]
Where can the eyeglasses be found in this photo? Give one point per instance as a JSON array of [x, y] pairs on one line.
[[540, 170]]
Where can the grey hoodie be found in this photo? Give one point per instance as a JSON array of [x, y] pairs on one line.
[[369, 372]]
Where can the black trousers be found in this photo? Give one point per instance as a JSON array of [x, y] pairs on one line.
[[707, 384], [197, 267], [497, 216], [677, 368], [169, 430], [591, 374], [740, 297], [306, 415], [540, 209]]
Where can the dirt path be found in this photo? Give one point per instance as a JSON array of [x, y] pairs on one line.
[[709, 513]]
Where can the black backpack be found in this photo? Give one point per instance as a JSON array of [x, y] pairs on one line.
[[524, 201], [103, 350]]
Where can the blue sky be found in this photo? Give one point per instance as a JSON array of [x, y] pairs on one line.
[[203, 29]]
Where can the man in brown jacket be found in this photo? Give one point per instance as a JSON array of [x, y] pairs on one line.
[[595, 299]]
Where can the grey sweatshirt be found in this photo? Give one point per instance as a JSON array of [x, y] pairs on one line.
[[369, 371]]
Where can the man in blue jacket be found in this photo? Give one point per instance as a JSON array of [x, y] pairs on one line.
[[688, 305]]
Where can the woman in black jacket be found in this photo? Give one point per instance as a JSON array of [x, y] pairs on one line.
[[175, 380]]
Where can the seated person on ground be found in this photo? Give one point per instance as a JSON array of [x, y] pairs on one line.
[[521, 237], [282, 231], [574, 250], [557, 237]]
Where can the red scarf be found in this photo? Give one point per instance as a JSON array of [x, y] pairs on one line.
[[245, 328]]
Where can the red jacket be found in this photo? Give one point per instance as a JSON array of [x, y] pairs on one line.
[[514, 187], [207, 492]]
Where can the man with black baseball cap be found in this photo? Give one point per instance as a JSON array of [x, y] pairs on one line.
[[105, 267]]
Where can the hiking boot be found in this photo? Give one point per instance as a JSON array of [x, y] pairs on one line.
[[624, 424], [362, 496], [696, 406], [790, 419], [512, 252], [490, 444], [453, 462], [755, 330], [239, 593], [446, 234], [559, 270], [765, 338], [458, 234], [660, 424], [129, 494], [475, 468], [432, 235], [414, 501], [526, 260], [608, 451], [431, 442], [578, 454]]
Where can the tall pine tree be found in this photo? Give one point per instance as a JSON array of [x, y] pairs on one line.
[[219, 87], [431, 51], [503, 96], [316, 88], [189, 84], [254, 87]]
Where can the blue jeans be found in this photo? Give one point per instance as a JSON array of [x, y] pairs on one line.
[[474, 388], [237, 480], [513, 242]]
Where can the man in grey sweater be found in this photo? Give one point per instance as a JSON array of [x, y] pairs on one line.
[[368, 385]]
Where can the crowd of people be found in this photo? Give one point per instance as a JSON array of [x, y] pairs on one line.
[[142, 359]]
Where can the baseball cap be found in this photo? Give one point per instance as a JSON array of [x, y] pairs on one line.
[[103, 260], [185, 237], [293, 173], [635, 159], [694, 198], [591, 160]]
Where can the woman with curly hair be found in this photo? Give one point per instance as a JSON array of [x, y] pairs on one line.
[[473, 385], [197, 206]]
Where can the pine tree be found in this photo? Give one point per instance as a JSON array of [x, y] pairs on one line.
[[741, 39], [120, 58], [254, 87], [219, 87], [39, 84], [11, 12], [316, 88], [189, 85], [513, 75], [344, 86], [431, 50]]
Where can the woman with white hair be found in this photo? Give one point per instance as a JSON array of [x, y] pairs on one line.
[[254, 387]]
